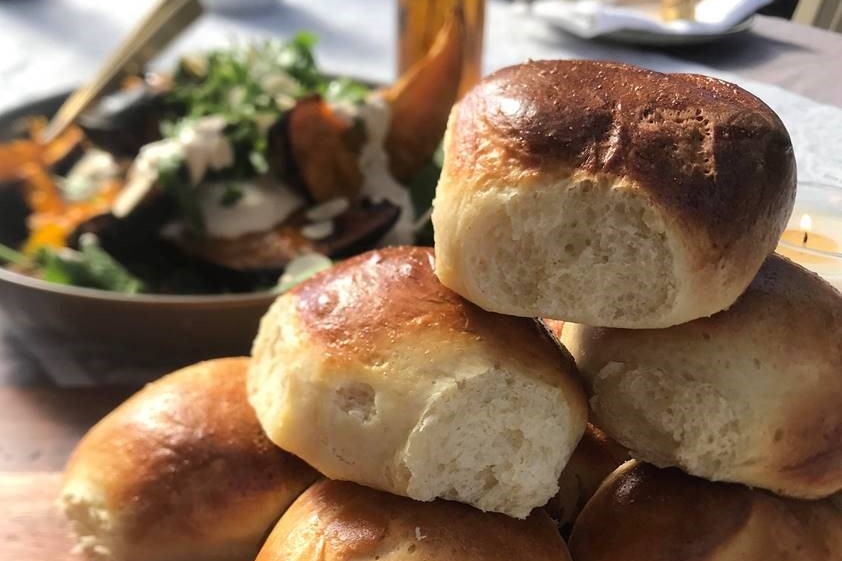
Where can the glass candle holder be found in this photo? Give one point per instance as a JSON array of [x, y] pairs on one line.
[[813, 236]]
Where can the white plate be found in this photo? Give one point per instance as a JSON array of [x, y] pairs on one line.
[[655, 39]]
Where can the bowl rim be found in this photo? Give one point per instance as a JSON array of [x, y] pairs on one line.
[[25, 281]]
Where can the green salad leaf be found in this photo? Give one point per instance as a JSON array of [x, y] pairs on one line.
[[13, 257], [232, 195], [174, 180], [90, 267], [63, 266], [345, 90], [104, 271]]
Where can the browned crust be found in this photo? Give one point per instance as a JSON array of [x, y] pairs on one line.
[[180, 454], [594, 458], [338, 521], [362, 307], [655, 514], [711, 154], [642, 513]]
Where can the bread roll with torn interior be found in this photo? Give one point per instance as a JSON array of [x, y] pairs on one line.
[[751, 395], [341, 521], [373, 372], [643, 513], [180, 472], [609, 195]]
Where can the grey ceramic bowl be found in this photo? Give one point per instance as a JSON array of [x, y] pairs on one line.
[[143, 335]]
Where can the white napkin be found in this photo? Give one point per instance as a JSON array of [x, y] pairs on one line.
[[590, 18]]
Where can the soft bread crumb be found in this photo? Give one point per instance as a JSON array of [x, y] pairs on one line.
[[667, 419], [358, 400], [565, 240], [91, 524], [496, 441]]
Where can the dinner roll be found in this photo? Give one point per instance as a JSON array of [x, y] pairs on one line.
[[642, 513], [180, 471], [751, 395], [375, 373], [609, 195], [341, 521], [596, 456]]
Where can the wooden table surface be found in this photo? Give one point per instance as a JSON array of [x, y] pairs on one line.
[[39, 426]]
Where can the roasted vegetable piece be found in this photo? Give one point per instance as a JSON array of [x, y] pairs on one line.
[[136, 228], [355, 230], [421, 99], [53, 218], [57, 156], [325, 149], [124, 121]]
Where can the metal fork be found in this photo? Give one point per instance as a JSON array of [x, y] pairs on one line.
[[163, 24]]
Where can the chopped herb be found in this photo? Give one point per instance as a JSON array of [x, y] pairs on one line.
[[232, 195], [104, 271], [174, 180], [345, 90], [251, 86], [90, 267]]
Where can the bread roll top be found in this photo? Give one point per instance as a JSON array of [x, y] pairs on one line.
[[609, 195], [712, 154], [642, 513], [339, 521], [366, 307]]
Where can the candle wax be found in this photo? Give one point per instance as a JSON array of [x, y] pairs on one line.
[[815, 241], [825, 235]]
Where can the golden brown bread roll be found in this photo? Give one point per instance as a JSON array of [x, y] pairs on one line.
[[609, 195], [341, 521], [375, 373], [751, 395], [180, 471], [594, 458], [643, 513]]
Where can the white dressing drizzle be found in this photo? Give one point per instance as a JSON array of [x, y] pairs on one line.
[[260, 207]]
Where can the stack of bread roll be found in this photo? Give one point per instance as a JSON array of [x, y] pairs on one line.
[[405, 404]]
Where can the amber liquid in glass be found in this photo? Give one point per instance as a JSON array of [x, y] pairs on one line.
[[420, 20]]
